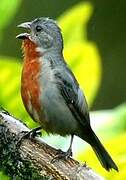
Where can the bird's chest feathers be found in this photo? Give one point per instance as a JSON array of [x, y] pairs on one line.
[[30, 87]]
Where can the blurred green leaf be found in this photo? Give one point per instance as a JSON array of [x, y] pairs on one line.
[[114, 120], [3, 176], [81, 54], [7, 11], [74, 22]]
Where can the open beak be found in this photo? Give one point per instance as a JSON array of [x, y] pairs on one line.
[[26, 25]]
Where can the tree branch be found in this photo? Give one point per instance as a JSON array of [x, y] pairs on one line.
[[32, 159]]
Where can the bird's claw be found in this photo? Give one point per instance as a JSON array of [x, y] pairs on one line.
[[22, 135], [28, 134], [62, 155]]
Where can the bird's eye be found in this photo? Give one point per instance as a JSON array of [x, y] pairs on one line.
[[38, 28]]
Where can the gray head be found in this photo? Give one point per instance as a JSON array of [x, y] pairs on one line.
[[44, 32]]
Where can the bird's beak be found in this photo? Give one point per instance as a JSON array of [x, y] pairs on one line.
[[26, 25], [23, 36]]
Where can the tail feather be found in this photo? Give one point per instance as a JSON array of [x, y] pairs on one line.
[[103, 156]]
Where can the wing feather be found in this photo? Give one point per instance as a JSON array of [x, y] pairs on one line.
[[73, 95]]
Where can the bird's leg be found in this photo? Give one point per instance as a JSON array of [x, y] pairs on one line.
[[64, 155], [29, 134], [69, 151]]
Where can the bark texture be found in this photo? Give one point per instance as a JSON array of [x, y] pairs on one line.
[[32, 158]]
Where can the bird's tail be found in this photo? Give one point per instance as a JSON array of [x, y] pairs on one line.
[[103, 156]]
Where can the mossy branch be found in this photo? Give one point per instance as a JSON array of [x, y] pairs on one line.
[[32, 159]]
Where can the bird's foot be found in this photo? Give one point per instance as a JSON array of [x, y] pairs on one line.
[[28, 134], [62, 155]]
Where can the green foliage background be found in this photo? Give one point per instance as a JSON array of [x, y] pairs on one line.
[[83, 57]]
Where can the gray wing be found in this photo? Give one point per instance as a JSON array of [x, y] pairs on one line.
[[73, 95], [82, 105]]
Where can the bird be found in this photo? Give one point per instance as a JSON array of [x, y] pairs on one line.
[[51, 93]]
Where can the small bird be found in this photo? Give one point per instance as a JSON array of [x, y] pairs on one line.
[[50, 91]]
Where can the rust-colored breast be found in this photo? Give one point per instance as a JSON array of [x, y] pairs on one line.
[[30, 88]]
